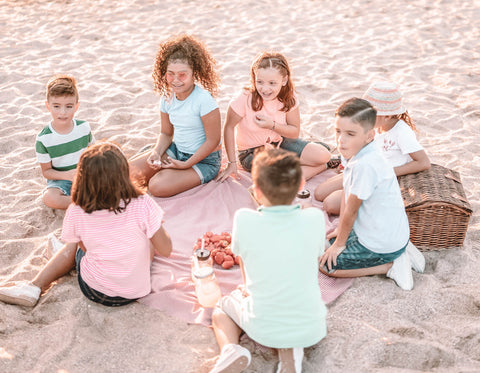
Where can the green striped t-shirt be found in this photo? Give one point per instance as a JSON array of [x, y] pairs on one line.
[[63, 150]]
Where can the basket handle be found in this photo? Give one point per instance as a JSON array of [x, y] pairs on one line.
[[451, 177]]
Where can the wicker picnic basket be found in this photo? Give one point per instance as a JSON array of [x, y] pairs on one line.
[[437, 208]]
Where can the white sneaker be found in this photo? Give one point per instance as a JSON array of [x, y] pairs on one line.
[[401, 272], [287, 355], [417, 260], [233, 358], [54, 245], [22, 293]]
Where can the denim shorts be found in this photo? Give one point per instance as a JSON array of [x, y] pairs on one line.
[[355, 255], [64, 185], [206, 169], [93, 294], [293, 145]]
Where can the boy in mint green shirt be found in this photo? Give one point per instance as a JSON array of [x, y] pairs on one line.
[[279, 304]]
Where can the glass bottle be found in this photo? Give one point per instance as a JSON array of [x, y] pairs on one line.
[[304, 198], [206, 286]]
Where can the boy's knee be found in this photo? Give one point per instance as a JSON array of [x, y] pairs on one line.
[[53, 198]]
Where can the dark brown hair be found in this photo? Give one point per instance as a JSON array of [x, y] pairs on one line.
[[187, 49], [359, 111], [278, 174], [277, 61], [62, 85], [102, 180]]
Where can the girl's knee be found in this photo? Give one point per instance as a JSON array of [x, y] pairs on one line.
[[159, 188], [331, 206]]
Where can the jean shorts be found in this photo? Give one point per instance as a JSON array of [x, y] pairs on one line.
[[293, 145], [355, 255], [94, 295], [206, 169], [64, 185]]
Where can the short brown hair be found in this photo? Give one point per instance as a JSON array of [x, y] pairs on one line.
[[278, 174], [62, 85], [192, 51], [359, 111], [102, 180]]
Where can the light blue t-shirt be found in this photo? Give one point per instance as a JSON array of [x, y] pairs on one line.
[[382, 223], [280, 247], [186, 118]]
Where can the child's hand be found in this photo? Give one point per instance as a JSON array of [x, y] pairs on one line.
[[263, 121], [230, 170], [330, 255], [174, 163], [332, 234], [154, 160]]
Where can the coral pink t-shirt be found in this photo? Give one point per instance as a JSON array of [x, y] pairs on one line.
[[117, 260], [248, 133]]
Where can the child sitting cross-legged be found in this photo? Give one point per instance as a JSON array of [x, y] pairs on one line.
[[279, 245], [373, 232]]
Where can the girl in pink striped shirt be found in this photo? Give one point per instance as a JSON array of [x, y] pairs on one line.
[[112, 231]]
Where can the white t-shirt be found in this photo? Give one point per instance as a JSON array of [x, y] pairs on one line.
[[186, 118], [397, 143], [381, 224]]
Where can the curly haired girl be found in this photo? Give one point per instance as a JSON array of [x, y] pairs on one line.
[[267, 113], [187, 152]]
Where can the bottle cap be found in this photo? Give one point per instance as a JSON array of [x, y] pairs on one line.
[[303, 194], [202, 254], [203, 272]]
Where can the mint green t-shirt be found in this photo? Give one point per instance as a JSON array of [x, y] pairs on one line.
[[280, 247]]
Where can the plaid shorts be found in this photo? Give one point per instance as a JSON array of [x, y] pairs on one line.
[[355, 255]]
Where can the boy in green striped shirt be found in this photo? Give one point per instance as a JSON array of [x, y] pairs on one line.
[[60, 144]]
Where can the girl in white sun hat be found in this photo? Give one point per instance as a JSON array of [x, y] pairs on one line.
[[395, 130]]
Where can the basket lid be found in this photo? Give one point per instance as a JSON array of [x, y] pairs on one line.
[[438, 184]]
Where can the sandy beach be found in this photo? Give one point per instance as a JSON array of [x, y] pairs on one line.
[[430, 48]]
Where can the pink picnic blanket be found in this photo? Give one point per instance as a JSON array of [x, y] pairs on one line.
[[210, 207]]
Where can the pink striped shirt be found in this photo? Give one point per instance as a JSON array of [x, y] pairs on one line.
[[117, 260]]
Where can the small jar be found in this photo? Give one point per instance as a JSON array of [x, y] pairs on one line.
[[303, 198], [207, 289]]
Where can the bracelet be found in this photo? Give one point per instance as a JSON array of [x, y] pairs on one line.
[[228, 162], [273, 128]]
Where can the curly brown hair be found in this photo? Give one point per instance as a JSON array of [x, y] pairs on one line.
[[192, 51], [277, 61], [102, 180]]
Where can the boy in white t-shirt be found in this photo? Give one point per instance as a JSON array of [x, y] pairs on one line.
[[373, 230], [279, 245]]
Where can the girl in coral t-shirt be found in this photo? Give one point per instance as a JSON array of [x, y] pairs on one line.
[[266, 114], [112, 232]]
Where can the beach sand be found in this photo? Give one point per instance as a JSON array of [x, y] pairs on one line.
[[430, 48]]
